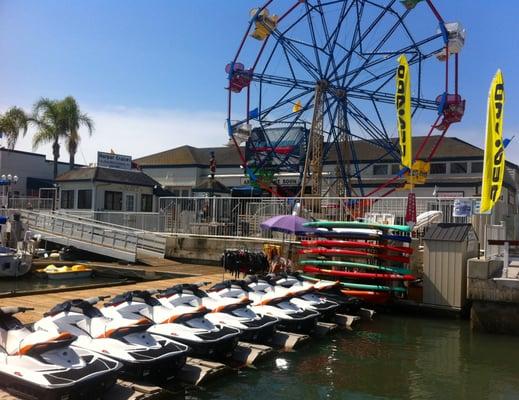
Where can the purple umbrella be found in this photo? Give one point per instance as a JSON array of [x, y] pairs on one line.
[[291, 224]]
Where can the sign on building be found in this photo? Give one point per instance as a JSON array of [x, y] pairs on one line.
[[110, 160], [462, 208]]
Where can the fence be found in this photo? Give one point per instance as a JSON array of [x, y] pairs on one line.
[[27, 203], [228, 216]]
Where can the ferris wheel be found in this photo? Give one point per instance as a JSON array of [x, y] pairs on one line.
[[313, 78]]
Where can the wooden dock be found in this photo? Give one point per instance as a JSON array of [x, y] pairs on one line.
[[44, 302]]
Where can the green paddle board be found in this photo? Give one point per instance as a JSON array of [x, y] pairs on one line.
[[357, 225], [376, 288], [348, 264]]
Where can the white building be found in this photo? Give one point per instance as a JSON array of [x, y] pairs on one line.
[[107, 189]]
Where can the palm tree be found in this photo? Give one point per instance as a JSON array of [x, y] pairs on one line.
[[12, 122], [74, 119], [48, 116]]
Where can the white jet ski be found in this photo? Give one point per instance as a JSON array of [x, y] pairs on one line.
[[180, 316], [43, 365], [142, 354]]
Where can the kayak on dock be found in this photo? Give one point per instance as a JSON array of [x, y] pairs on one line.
[[355, 244], [358, 275], [347, 264], [357, 225], [353, 253]]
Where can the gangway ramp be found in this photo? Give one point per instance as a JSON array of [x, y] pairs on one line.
[[110, 240]]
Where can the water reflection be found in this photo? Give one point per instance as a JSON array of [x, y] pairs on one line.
[[393, 357]]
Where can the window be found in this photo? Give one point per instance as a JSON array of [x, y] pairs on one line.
[[380, 169], [477, 167], [113, 201], [395, 169], [67, 199], [84, 199], [459, 168], [147, 202], [438, 168], [130, 202], [185, 193]]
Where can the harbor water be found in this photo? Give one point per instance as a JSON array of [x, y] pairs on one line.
[[392, 357]]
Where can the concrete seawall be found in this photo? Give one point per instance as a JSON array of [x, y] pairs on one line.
[[495, 301]]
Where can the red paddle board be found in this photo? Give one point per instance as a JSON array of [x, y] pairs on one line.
[[358, 275], [355, 253], [360, 245], [369, 296]]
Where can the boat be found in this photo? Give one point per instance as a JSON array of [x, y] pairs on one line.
[[356, 244], [143, 355], [354, 253], [44, 365], [358, 275], [178, 314], [77, 271], [357, 225], [14, 263], [347, 264]]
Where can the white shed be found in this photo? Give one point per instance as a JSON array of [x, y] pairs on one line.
[[447, 247]]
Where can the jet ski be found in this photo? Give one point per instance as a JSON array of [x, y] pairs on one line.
[[267, 302], [178, 314], [142, 354], [44, 366], [238, 313], [304, 294], [329, 290]]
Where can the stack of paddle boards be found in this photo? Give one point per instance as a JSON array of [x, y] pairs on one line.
[[369, 259]]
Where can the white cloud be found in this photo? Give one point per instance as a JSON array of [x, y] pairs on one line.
[[139, 132]]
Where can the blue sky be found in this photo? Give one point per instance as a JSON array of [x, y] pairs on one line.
[[151, 73]]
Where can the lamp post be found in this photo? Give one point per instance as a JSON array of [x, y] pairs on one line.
[[8, 180]]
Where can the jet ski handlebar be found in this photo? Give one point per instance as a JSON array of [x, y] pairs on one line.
[[15, 310], [95, 299]]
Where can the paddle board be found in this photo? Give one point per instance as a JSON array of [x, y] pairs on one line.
[[359, 245], [354, 253], [361, 286], [347, 264], [357, 225], [358, 275], [362, 234]]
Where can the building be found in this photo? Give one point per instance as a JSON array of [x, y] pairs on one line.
[[108, 189], [456, 169], [33, 170]]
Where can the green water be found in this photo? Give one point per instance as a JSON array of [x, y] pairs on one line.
[[31, 282], [393, 357]]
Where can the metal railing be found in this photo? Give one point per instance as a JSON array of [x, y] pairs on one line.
[[241, 217], [89, 232], [27, 203]]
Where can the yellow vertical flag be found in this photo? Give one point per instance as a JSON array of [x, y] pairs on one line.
[[494, 162], [403, 110]]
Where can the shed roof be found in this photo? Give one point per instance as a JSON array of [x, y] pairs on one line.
[[112, 175], [448, 232]]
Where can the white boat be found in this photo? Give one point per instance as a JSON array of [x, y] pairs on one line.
[[14, 263]]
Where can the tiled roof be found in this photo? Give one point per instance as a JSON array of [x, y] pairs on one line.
[[128, 177]]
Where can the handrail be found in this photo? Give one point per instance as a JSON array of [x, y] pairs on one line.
[[122, 239]]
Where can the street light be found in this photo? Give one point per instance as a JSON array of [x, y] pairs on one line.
[[8, 180]]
